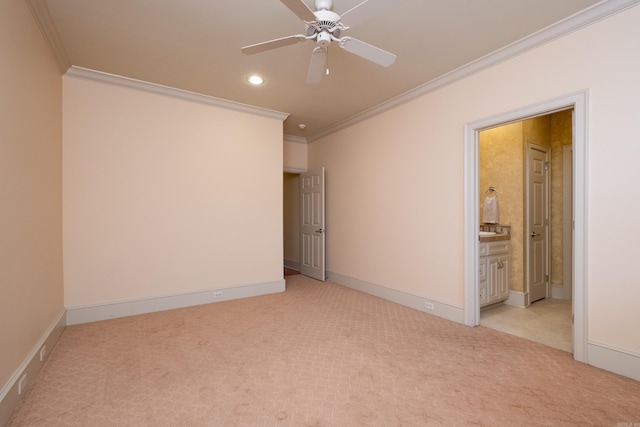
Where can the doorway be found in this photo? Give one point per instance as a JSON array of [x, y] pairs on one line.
[[291, 221], [312, 226], [304, 223], [578, 102], [516, 159]]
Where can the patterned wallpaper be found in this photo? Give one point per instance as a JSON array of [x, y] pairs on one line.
[[561, 135]]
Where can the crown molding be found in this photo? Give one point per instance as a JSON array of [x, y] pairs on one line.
[[41, 14], [586, 17], [99, 76], [296, 139]]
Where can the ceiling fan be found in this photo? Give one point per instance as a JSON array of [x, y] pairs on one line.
[[325, 26]]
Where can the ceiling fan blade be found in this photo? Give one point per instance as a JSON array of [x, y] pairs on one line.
[[318, 64], [300, 9], [273, 44], [365, 10], [367, 51]]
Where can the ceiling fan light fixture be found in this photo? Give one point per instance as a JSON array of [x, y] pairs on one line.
[[255, 80], [323, 39]]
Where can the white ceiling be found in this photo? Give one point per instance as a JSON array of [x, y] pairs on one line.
[[194, 45]]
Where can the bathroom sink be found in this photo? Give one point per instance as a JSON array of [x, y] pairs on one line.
[[487, 233]]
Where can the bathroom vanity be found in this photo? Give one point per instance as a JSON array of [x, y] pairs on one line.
[[494, 259]]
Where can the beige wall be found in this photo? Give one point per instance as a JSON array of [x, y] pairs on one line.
[[396, 205], [31, 293], [164, 196], [295, 156], [291, 219], [393, 185]]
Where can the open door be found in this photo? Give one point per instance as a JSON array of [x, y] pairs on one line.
[[312, 225], [538, 222]]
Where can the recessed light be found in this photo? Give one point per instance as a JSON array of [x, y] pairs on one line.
[[255, 80]]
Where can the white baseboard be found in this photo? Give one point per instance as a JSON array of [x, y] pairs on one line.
[[518, 299], [30, 366], [292, 264], [440, 309], [616, 360], [86, 314], [559, 292]]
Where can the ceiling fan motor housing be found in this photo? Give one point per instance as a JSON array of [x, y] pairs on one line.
[[327, 24]]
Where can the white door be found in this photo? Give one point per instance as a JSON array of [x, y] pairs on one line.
[[538, 222], [313, 224]]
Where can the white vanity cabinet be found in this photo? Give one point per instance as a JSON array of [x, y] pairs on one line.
[[494, 271]]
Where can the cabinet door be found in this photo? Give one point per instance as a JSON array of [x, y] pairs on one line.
[[503, 283], [494, 273], [483, 295], [482, 269]]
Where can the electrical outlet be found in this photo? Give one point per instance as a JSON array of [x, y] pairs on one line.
[[43, 353], [429, 305], [217, 294], [22, 385]]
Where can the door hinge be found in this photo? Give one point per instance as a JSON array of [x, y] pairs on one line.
[[546, 165], [546, 278]]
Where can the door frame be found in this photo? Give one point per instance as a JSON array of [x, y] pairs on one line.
[[567, 221], [579, 102], [527, 209]]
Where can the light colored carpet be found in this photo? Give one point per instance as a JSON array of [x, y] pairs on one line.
[[318, 354]]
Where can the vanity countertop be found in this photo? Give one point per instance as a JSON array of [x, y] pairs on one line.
[[495, 238]]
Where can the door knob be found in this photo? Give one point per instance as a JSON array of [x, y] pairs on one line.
[[533, 234], [320, 230]]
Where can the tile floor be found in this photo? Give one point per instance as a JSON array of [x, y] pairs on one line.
[[547, 321]]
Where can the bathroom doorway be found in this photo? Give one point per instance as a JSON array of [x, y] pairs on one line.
[[579, 226], [523, 161]]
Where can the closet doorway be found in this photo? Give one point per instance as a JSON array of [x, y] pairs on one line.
[[304, 223], [291, 221]]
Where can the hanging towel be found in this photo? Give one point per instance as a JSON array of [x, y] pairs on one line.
[[490, 213]]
